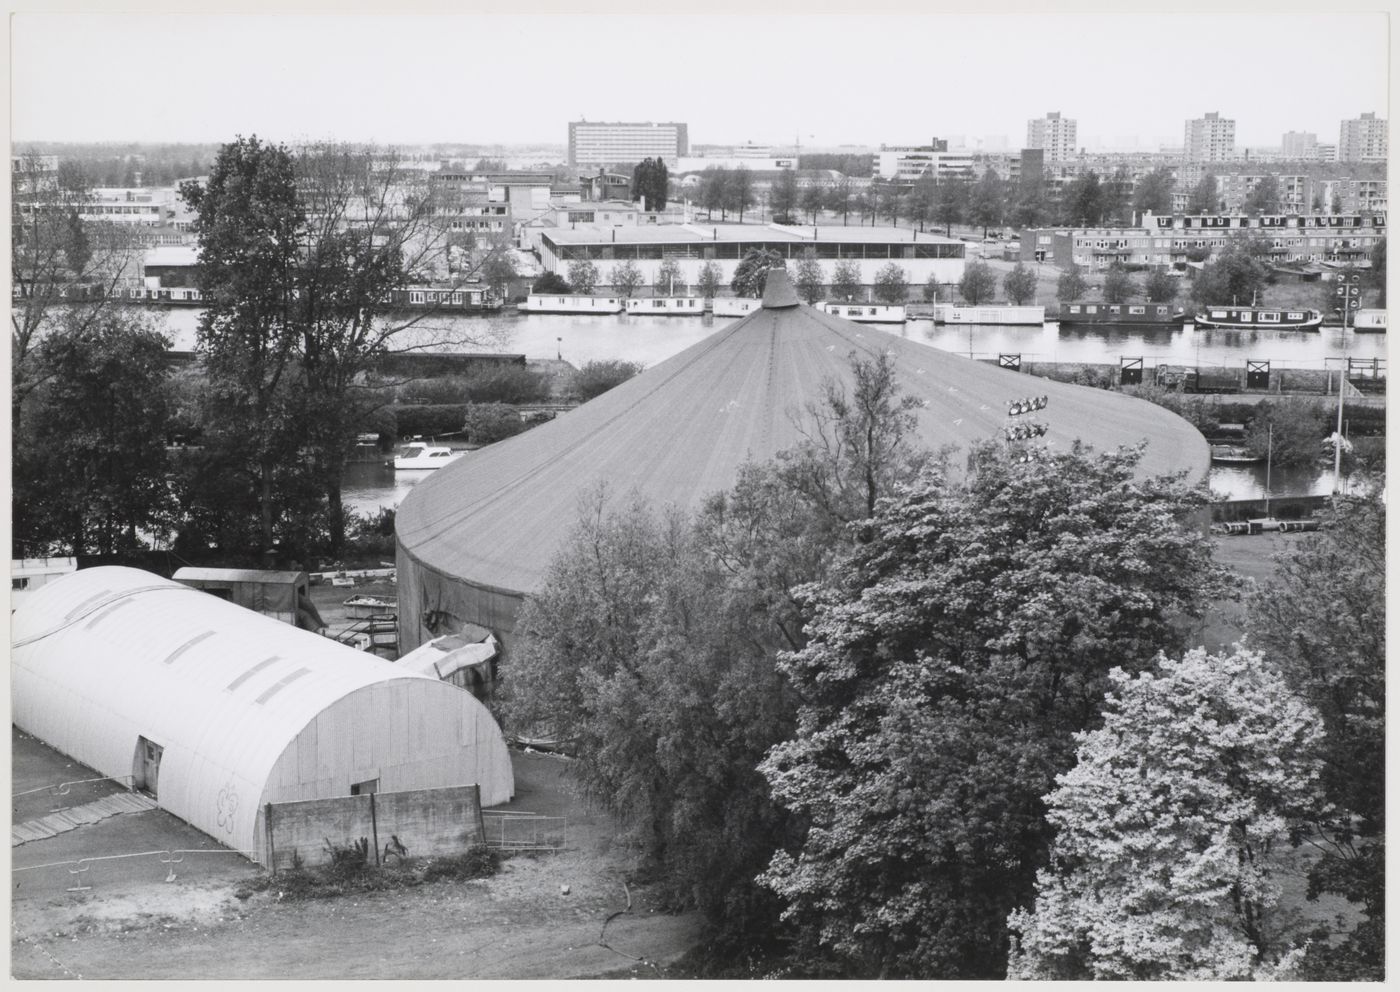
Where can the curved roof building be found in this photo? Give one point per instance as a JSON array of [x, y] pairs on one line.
[[479, 534], [218, 710]]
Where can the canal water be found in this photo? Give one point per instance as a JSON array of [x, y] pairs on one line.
[[652, 339]]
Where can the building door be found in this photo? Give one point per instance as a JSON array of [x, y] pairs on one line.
[[146, 767], [1256, 374]]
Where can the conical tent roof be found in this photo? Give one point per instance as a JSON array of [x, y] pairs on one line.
[[681, 429]]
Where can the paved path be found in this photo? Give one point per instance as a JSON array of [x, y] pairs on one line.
[[77, 816]]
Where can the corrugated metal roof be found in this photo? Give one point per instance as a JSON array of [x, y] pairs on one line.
[[681, 429], [105, 655]]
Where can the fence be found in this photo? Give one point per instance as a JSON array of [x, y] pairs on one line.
[[84, 873], [510, 831]]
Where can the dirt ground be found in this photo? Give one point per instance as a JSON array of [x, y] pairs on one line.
[[541, 917]]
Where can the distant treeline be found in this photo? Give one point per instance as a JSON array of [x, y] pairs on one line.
[[129, 163]]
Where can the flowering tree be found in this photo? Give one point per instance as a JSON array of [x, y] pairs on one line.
[[1165, 863]]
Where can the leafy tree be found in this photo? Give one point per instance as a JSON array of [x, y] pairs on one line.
[[1205, 196], [598, 376], [923, 199], [77, 251], [1019, 284], [1321, 619], [487, 423], [89, 462], [1030, 207], [1292, 429], [952, 203], [1117, 196], [1336, 203], [944, 678], [891, 284], [714, 191], [551, 282], [1118, 285], [845, 280], [810, 280], [838, 199], [738, 191], [1161, 286], [978, 283], [1072, 284], [1164, 864], [987, 204], [626, 278], [931, 288], [751, 274], [583, 275], [1236, 275], [668, 274], [1084, 201], [888, 200], [864, 202], [1265, 198], [813, 200], [1154, 191], [650, 183], [709, 280], [783, 198], [497, 272], [1376, 274]]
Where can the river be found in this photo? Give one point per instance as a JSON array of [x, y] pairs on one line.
[[651, 339]]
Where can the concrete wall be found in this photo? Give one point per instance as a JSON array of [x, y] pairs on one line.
[[427, 823]]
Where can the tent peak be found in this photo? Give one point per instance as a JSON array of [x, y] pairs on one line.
[[778, 293]]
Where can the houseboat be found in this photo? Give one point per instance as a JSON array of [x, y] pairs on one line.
[[1369, 322], [453, 299], [865, 313], [421, 455], [950, 313], [1120, 313], [734, 306], [1251, 317], [550, 303], [662, 306]]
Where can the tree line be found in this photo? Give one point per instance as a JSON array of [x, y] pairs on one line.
[[875, 718]]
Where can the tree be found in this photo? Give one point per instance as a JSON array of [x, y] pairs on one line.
[[1072, 284], [813, 200], [1118, 285], [1205, 196], [952, 202], [599, 375], [709, 280], [988, 201], [978, 283], [891, 284], [1084, 201], [583, 275], [1265, 198], [838, 198], [714, 191], [1336, 203], [1376, 274], [751, 274], [1154, 191], [1117, 196], [845, 280], [739, 191], [650, 183], [486, 423], [1290, 431], [1019, 284], [969, 638], [668, 274], [1030, 207], [889, 198], [1164, 866], [90, 464], [626, 278], [923, 199], [810, 279], [931, 288], [497, 272], [1161, 286], [783, 199], [1321, 619], [551, 282], [1237, 275]]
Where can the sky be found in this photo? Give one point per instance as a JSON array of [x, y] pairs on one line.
[[743, 72]]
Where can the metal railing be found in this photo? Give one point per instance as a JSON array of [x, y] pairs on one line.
[[510, 831], [63, 788], [81, 868]]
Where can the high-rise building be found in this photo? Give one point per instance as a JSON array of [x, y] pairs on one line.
[[1057, 135], [616, 143], [1210, 139], [1299, 146], [1364, 139]]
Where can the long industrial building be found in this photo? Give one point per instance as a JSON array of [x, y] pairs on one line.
[[478, 536], [218, 711]]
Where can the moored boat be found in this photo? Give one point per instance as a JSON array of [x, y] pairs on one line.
[[950, 313], [1369, 322], [865, 313], [681, 306], [551, 303], [734, 306], [1120, 313], [421, 455], [1233, 454], [1275, 318]]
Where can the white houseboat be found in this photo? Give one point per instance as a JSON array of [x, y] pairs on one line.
[[678, 306], [1369, 322], [1268, 317], [421, 455], [950, 313], [734, 306], [865, 313], [550, 303]]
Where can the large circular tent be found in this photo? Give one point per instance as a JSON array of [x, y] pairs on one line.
[[478, 536], [219, 710]]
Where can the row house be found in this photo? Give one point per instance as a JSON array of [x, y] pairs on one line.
[[1173, 240]]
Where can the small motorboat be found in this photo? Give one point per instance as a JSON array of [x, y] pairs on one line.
[[421, 455], [1233, 454]]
